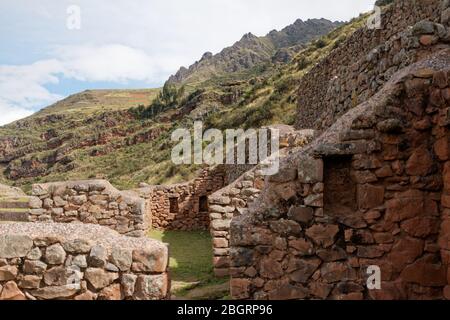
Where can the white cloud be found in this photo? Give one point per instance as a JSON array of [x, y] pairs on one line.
[[22, 88], [129, 40], [114, 63]]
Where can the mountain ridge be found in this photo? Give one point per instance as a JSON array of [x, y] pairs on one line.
[[252, 50]]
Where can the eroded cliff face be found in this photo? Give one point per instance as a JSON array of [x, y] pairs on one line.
[[372, 190]]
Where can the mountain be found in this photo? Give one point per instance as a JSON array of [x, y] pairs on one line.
[[252, 50], [122, 136]]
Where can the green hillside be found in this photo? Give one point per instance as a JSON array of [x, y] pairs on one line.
[[112, 134]]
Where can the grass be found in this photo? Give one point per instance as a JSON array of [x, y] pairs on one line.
[[100, 140], [15, 210], [191, 264]]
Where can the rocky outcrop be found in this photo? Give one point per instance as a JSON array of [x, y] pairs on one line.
[[79, 262], [251, 51]]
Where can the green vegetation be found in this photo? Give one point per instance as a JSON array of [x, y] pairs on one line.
[[124, 135], [168, 98], [191, 264]]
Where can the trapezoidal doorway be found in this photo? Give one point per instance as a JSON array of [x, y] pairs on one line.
[[339, 188]]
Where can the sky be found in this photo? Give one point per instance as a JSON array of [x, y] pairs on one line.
[[53, 48]]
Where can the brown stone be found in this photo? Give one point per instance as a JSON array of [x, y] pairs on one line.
[[442, 148], [8, 273], [334, 254], [369, 252], [111, 293], [428, 40], [220, 243], [100, 278], [11, 292], [240, 288], [303, 246], [364, 177], [285, 227], [270, 268], [58, 292], [389, 291], [337, 272], [221, 262], [447, 292], [404, 252], [284, 175], [151, 287], [310, 170], [421, 227], [370, 196], [304, 269], [399, 209], [30, 282], [440, 79], [445, 201], [384, 172], [383, 237], [86, 296], [314, 200], [59, 276], [425, 273], [420, 163], [151, 261], [285, 191], [323, 235], [288, 292], [320, 290], [302, 214]]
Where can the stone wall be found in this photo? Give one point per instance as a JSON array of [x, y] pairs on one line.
[[80, 262], [235, 198], [372, 190], [360, 66], [94, 202], [182, 206]]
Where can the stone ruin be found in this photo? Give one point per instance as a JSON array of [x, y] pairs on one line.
[[92, 202], [364, 181], [372, 189], [81, 262]]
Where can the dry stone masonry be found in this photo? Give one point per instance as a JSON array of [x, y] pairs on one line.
[[358, 68], [182, 206], [235, 198], [42, 261], [93, 202], [372, 190]]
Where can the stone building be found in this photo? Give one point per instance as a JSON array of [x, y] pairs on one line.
[[373, 188]]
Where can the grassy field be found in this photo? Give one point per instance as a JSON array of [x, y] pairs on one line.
[[191, 265]]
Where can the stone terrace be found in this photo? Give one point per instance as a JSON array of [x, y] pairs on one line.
[[40, 261]]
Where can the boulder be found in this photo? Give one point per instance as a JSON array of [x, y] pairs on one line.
[[15, 246], [99, 278], [55, 254]]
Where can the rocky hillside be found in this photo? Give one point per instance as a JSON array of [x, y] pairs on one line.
[[251, 51], [103, 134]]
